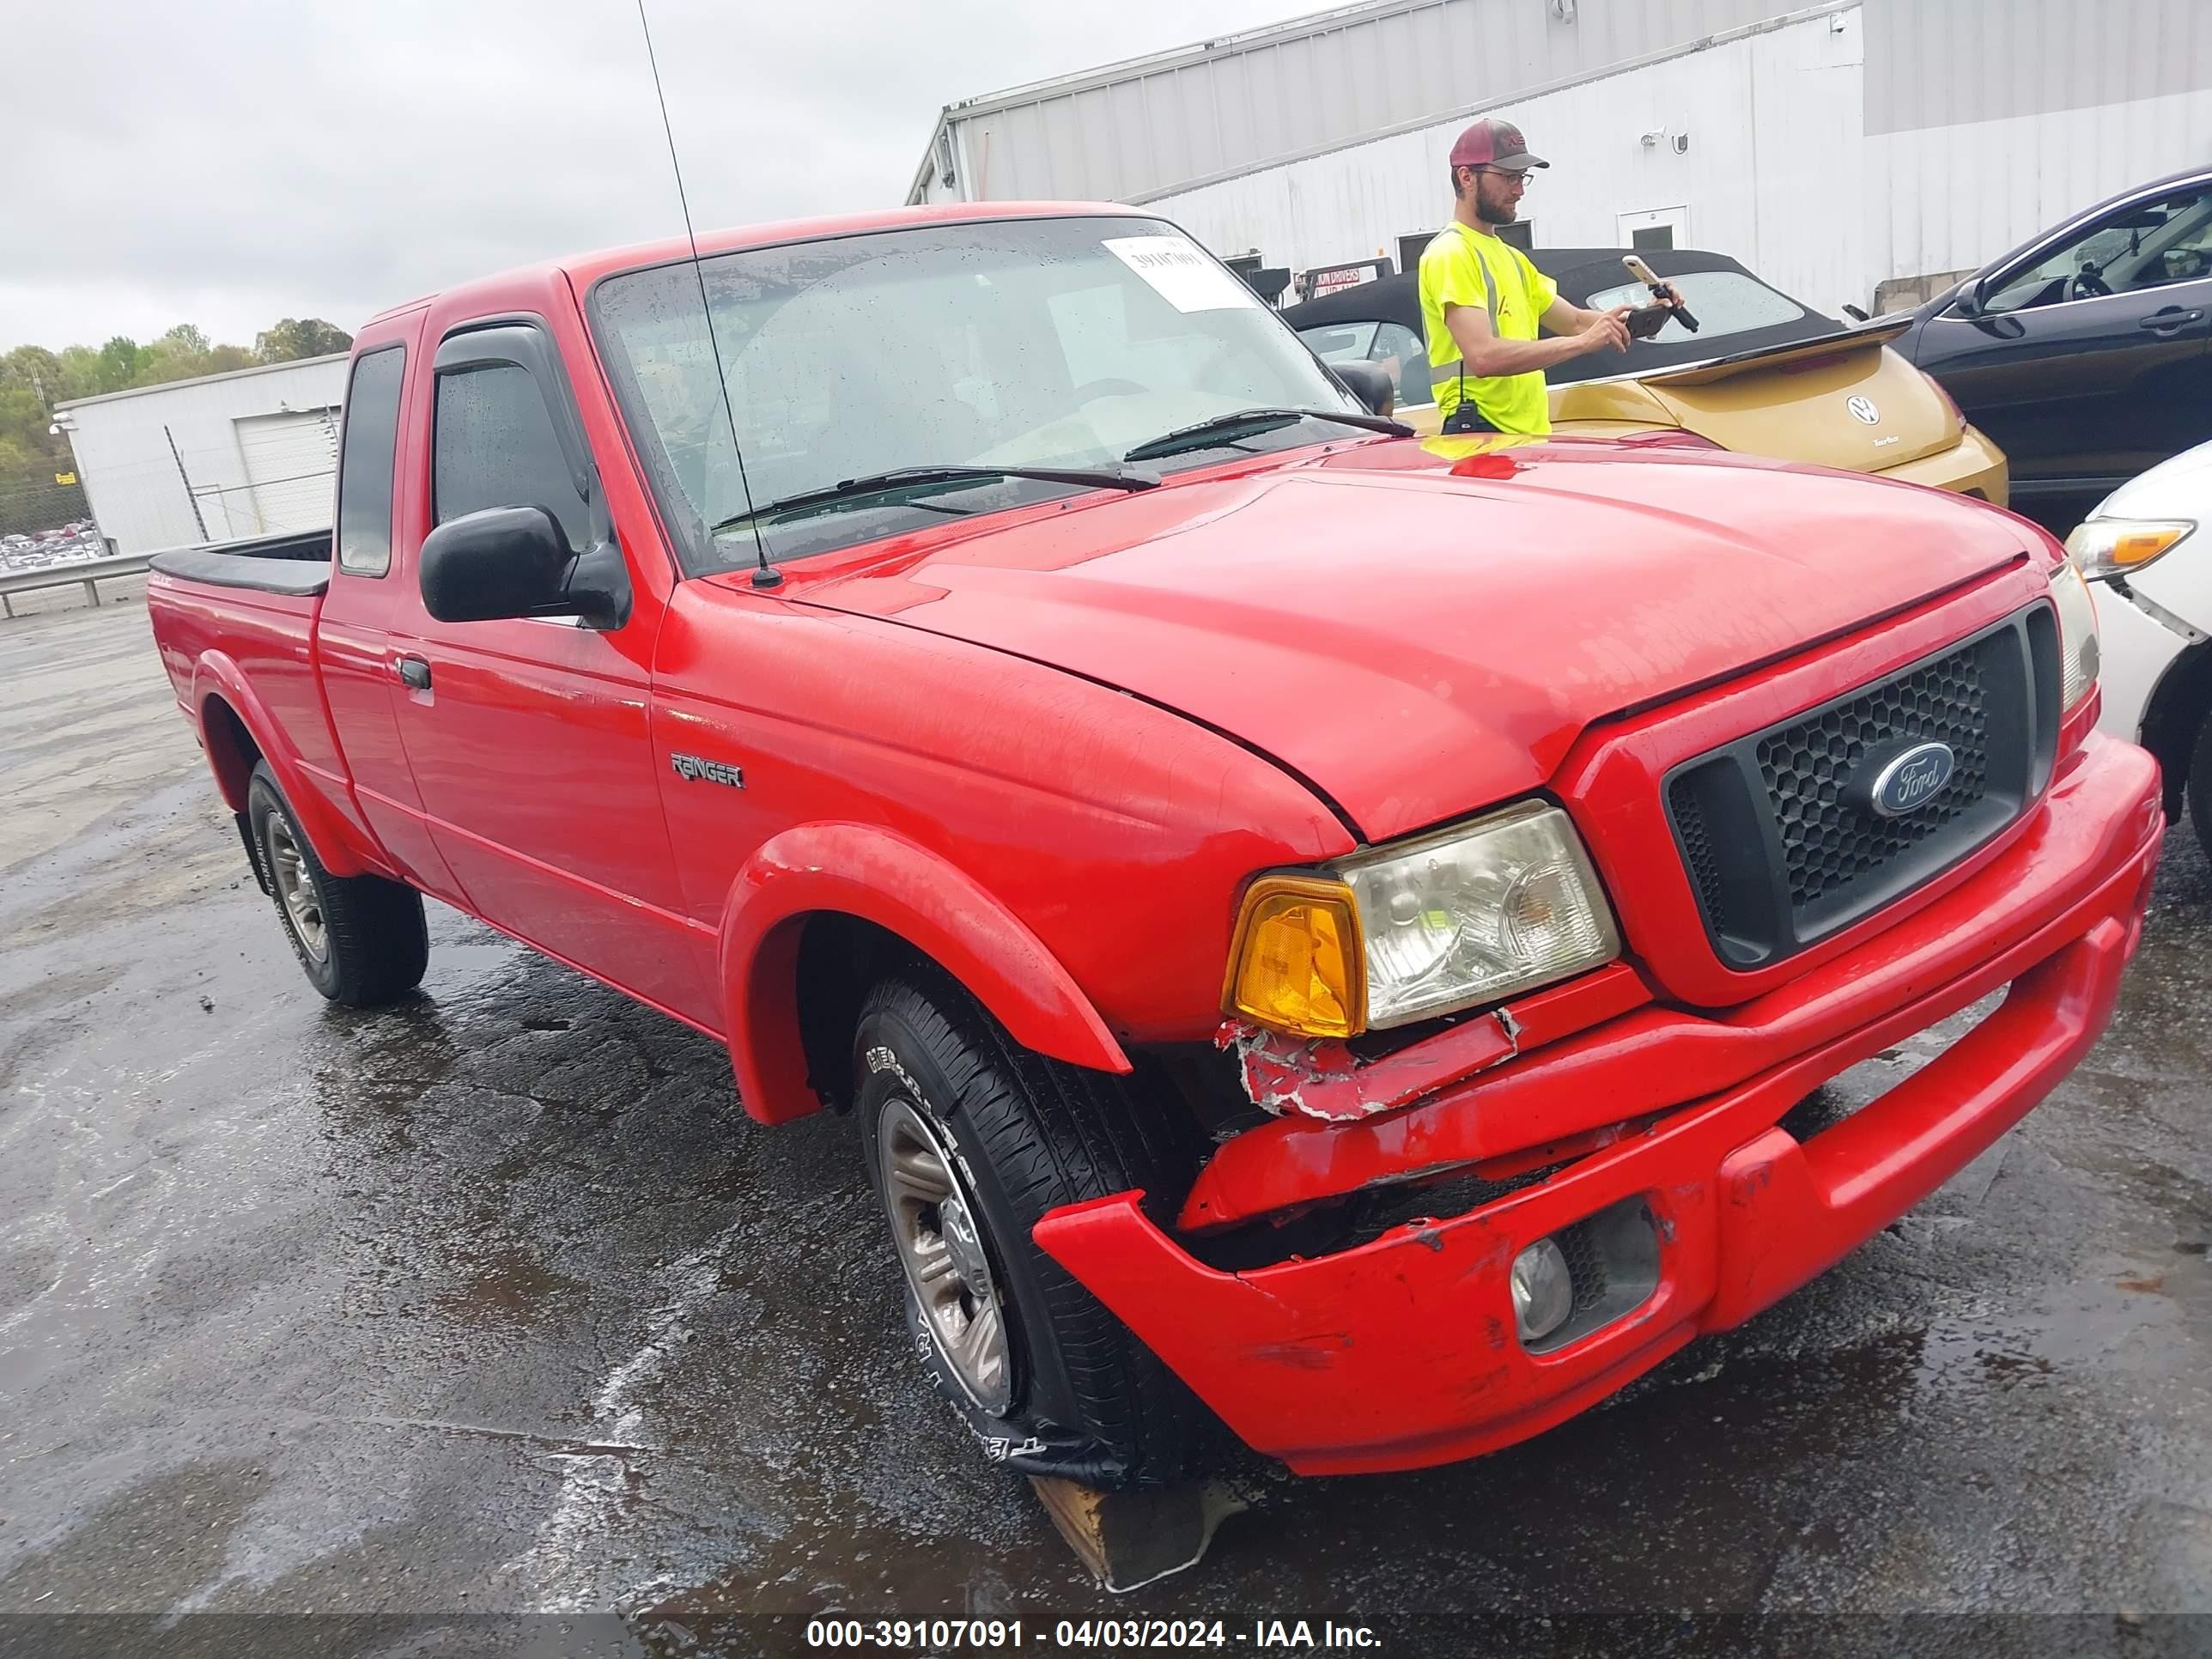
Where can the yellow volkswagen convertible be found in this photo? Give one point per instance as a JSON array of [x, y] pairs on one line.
[[1764, 374]]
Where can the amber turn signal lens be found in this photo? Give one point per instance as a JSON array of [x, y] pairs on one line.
[[2140, 547], [1296, 965], [2116, 547]]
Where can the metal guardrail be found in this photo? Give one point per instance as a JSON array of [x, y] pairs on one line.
[[90, 571]]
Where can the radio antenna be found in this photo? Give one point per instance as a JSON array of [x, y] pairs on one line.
[[766, 576]]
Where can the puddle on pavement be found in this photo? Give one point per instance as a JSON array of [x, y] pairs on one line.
[[455, 962], [830, 1560], [505, 1288]]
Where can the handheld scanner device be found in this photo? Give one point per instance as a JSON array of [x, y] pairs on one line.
[[1649, 278]]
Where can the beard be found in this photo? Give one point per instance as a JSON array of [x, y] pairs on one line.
[[1493, 207]]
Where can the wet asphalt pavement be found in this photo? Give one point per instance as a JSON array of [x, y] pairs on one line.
[[497, 1302]]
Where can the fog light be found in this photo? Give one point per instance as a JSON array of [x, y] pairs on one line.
[[1543, 1291]]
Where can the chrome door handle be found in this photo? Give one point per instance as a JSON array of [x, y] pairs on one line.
[[414, 673]]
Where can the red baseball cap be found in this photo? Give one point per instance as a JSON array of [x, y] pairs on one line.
[[1490, 143]]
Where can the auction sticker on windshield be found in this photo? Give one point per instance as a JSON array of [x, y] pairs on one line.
[[1185, 277]]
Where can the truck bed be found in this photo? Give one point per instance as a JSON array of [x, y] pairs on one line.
[[297, 565], [235, 624]]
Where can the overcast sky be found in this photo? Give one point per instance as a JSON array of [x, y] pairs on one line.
[[227, 163]]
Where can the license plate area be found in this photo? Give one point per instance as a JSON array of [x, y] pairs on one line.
[[1857, 1087]]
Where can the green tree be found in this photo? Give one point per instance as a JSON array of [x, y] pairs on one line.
[[296, 337], [180, 354], [119, 362], [29, 382], [36, 367], [24, 440], [80, 371]]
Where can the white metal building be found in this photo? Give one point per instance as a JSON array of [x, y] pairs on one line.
[[248, 454], [1852, 150]]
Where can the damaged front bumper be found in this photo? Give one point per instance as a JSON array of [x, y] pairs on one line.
[[1403, 1351]]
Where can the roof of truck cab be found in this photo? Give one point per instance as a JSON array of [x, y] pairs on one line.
[[585, 269]]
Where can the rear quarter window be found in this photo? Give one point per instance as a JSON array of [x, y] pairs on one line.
[[368, 451], [1736, 312], [1724, 302]]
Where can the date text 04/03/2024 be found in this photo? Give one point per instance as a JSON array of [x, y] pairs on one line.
[[990, 1635]]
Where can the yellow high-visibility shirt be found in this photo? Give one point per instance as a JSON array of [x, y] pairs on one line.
[[1515, 298]]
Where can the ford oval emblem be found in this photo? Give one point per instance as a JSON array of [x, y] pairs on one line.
[[1862, 409], [1910, 781]]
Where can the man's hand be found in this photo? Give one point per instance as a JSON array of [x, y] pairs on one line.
[[1610, 331]]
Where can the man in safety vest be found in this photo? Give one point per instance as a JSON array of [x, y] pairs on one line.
[[1483, 302]]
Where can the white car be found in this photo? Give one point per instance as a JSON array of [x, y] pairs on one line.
[[2148, 547]]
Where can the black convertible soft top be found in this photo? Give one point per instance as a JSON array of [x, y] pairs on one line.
[[1581, 272]]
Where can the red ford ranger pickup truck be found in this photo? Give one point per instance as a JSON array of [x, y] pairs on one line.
[[1317, 929]]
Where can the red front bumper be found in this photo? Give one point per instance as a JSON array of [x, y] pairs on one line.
[[1403, 1352]]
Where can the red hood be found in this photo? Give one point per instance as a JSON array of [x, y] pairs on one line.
[[1418, 644]]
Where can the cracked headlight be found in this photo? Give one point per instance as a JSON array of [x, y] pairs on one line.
[[1476, 913], [1450, 919]]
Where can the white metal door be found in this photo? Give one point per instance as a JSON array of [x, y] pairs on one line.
[[291, 467], [1659, 227]]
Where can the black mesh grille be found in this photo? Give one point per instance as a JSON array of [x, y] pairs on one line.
[[1828, 843], [1698, 852], [1777, 831], [1585, 1266]]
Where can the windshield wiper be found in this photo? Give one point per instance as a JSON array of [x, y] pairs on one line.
[[923, 477], [1207, 434]]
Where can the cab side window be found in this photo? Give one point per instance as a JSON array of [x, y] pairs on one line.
[[1341, 343], [368, 451], [1392, 347], [495, 446], [2177, 250], [2147, 245], [1400, 353]]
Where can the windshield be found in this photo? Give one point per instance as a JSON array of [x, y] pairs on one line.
[[1036, 342]]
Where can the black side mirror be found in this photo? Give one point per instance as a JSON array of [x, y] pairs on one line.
[[1368, 382], [1973, 296], [501, 561]]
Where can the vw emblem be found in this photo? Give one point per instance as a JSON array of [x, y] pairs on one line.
[[1862, 409], [1909, 780]]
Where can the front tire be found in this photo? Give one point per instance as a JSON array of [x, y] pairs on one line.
[[361, 939], [970, 1139]]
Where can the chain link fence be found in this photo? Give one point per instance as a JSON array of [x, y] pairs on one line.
[[28, 508]]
